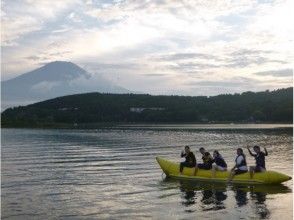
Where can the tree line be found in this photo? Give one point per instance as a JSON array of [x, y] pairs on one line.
[[267, 106]]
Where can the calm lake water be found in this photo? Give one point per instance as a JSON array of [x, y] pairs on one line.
[[113, 174]]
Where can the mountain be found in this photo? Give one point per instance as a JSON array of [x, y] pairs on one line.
[[275, 106], [55, 79]]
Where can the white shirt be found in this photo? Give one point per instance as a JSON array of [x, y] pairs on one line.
[[239, 161]]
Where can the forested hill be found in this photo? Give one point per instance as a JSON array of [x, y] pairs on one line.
[[268, 106]]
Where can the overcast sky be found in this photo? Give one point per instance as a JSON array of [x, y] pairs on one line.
[[191, 47]]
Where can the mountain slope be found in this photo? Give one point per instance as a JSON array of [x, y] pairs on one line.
[[52, 80], [275, 106]]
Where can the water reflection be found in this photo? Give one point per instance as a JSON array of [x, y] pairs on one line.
[[212, 196], [261, 208], [240, 196], [258, 196], [45, 172], [213, 200], [189, 196]]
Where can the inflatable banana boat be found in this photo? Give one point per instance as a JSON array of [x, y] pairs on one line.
[[171, 169]]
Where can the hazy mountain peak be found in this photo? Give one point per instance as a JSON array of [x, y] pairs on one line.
[[54, 79], [62, 66], [60, 62]]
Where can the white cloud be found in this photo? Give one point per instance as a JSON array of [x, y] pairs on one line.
[[24, 17], [14, 28], [45, 86], [74, 17], [137, 33], [277, 73]]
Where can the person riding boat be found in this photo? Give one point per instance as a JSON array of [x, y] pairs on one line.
[[207, 161], [259, 159], [240, 166], [220, 163], [190, 159]]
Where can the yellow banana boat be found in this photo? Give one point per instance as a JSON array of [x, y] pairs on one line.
[[171, 169]]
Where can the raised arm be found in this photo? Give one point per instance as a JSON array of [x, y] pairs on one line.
[[250, 151], [265, 152]]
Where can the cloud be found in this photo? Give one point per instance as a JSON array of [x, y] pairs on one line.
[[45, 86], [135, 43], [195, 67], [74, 17], [96, 66], [248, 57], [244, 61], [43, 58], [155, 74], [15, 27], [185, 8], [24, 17], [34, 58], [232, 82], [276, 73], [185, 56], [246, 52]]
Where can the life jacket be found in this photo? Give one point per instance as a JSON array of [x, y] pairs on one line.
[[260, 160], [243, 163], [220, 161], [190, 158], [207, 158]]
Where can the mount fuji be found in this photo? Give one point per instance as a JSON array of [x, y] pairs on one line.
[[54, 79]]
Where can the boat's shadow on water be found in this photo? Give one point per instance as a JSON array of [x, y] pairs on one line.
[[208, 196]]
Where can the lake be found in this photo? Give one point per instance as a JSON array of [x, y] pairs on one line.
[[112, 173]]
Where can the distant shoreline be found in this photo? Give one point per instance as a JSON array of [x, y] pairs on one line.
[[96, 110], [120, 125]]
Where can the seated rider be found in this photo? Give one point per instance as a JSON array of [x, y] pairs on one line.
[[190, 159], [207, 161], [240, 166], [259, 159], [220, 163]]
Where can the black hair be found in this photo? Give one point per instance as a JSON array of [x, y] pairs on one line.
[[201, 148], [207, 154], [187, 147], [217, 153], [240, 149], [256, 147]]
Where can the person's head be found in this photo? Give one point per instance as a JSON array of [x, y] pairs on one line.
[[202, 150], [216, 153], [239, 151], [187, 149], [256, 149]]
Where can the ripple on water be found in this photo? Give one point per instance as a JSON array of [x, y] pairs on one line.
[[102, 174]]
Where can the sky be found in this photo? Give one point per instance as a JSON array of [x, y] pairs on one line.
[[184, 47]]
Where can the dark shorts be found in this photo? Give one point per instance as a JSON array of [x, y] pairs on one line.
[[237, 171], [259, 169], [185, 164], [204, 166]]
